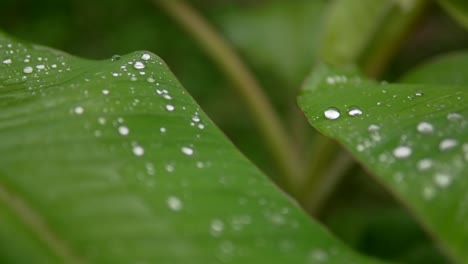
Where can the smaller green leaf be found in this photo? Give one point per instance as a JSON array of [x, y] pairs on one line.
[[448, 69], [458, 9], [413, 137]]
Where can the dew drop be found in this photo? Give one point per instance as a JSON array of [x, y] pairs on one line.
[[442, 180], [332, 113], [454, 116], [28, 69], [78, 110], [187, 151], [7, 61], [138, 150], [40, 67], [424, 164], [105, 92], [355, 111], [139, 65], [174, 203], [145, 56], [373, 128], [216, 227], [123, 130], [447, 144], [425, 128], [402, 152], [163, 130], [115, 57], [170, 108]]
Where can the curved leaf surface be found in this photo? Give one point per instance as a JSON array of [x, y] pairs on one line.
[[413, 137], [112, 162]]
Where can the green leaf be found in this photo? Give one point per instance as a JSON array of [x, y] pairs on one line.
[[447, 69], [366, 32], [413, 137], [458, 9], [112, 162]]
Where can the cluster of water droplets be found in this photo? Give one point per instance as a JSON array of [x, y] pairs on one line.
[[425, 131]]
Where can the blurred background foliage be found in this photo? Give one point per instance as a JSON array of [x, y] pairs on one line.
[[279, 40]]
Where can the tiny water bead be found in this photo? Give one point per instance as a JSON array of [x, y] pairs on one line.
[[447, 144], [402, 152], [7, 61], [454, 117], [170, 108], [216, 227], [332, 113], [105, 92], [123, 130], [174, 203], [442, 180], [145, 56], [187, 151], [373, 128], [28, 69], [355, 111], [424, 164], [138, 150], [139, 65], [115, 57], [78, 110], [425, 128]]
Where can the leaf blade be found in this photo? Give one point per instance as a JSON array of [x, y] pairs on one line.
[[121, 165]]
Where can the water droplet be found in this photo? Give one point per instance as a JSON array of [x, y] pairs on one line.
[[425, 128], [419, 93], [139, 65], [163, 130], [355, 111], [187, 151], [402, 152], [454, 116], [40, 67], [138, 150], [145, 56], [78, 110], [428, 192], [216, 227], [123, 130], [174, 203], [150, 80], [170, 108], [424, 164], [442, 180], [7, 61], [332, 113], [318, 255], [105, 92], [28, 69], [196, 119], [115, 57], [373, 128], [447, 144], [169, 168]]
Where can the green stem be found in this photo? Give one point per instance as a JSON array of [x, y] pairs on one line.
[[222, 53]]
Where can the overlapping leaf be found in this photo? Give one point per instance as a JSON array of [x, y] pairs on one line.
[[112, 162], [413, 137]]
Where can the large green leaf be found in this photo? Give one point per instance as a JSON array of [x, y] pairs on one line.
[[413, 137], [112, 162]]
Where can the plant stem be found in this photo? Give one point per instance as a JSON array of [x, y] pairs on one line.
[[267, 121]]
